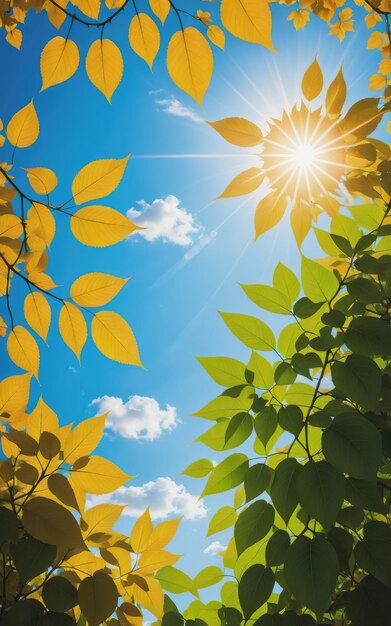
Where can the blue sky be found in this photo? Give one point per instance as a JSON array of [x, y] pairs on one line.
[[171, 301]]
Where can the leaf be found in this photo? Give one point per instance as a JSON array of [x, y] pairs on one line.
[[59, 61], [227, 405], [141, 533], [101, 518], [73, 328], [98, 179], [29, 612], [51, 523], [262, 370], [99, 476], [373, 553], [98, 597], [190, 62], [224, 370], [255, 588], [199, 469], [336, 95], [60, 487], [163, 533], [369, 336], [250, 330], [175, 581], [59, 594], [105, 66], [96, 289], [361, 120], [224, 518], [250, 20], [23, 128], [90, 8], [101, 226], [312, 82], [319, 284], [216, 36], [268, 298], [9, 526], [49, 445], [359, 378], [151, 597], [253, 524], [40, 222], [144, 37], [353, 445], [14, 393], [286, 281], [32, 557], [321, 490], [41, 419], [160, 8], [208, 576], [37, 313], [42, 179], [238, 131], [283, 488], [244, 183], [23, 350], [84, 438], [114, 338], [277, 547], [256, 480], [227, 474], [311, 571], [269, 211]]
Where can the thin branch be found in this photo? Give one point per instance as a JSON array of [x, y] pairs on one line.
[[89, 23]]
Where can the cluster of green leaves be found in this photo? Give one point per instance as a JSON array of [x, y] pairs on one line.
[[311, 518]]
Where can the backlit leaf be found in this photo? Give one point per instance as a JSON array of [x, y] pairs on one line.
[[42, 179], [101, 226], [98, 597], [96, 289], [144, 37], [250, 20], [72, 327], [51, 523], [59, 61], [312, 82], [84, 438], [160, 8], [99, 476], [23, 349], [23, 128], [98, 179], [37, 313], [114, 338], [227, 474], [250, 330], [238, 131], [104, 66], [190, 62]]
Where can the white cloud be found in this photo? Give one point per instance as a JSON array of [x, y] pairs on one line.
[[164, 219], [139, 417], [214, 548], [164, 497], [172, 106]]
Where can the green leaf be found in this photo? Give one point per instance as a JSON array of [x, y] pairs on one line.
[[364, 290], [373, 553], [227, 474], [208, 576], [222, 519], [255, 588], [241, 424], [369, 336], [199, 468], [224, 371], [268, 298], [359, 378], [253, 524], [250, 330], [353, 445], [321, 489], [305, 308], [290, 418], [319, 284], [227, 405], [50, 618], [263, 371], [9, 525], [311, 570], [175, 581], [265, 424], [365, 494], [32, 557], [286, 281], [256, 480], [98, 597], [277, 547], [287, 339], [370, 603], [367, 215], [26, 613], [342, 542], [350, 517], [283, 489], [59, 594]]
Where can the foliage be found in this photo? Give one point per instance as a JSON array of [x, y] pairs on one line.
[[190, 58]]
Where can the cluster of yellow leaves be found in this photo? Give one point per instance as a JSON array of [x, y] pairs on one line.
[[45, 478], [339, 145], [25, 238]]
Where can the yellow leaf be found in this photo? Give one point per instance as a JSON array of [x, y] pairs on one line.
[[114, 4], [55, 15], [51, 523], [250, 20], [105, 66], [238, 131], [10, 226], [244, 183], [163, 533], [14, 37], [153, 599], [23, 128], [144, 37], [151, 560], [73, 328], [268, 213], [84, 438], [336, 95], [301, 220], [60, 487], [377, 81], [37, 313], [101, 226], [190, 62], [312, 82], [361, 119], [42, 179], [41, 419], [41, 280], [98, 598], [96, 289], [88, 7], [114, 338], [59, 61], [40, 222], [141, 534], [216, 35], [300, 18], [14, 393], [23, 350], [99, 476], [98, 179], [101, 518], [160, 8]]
